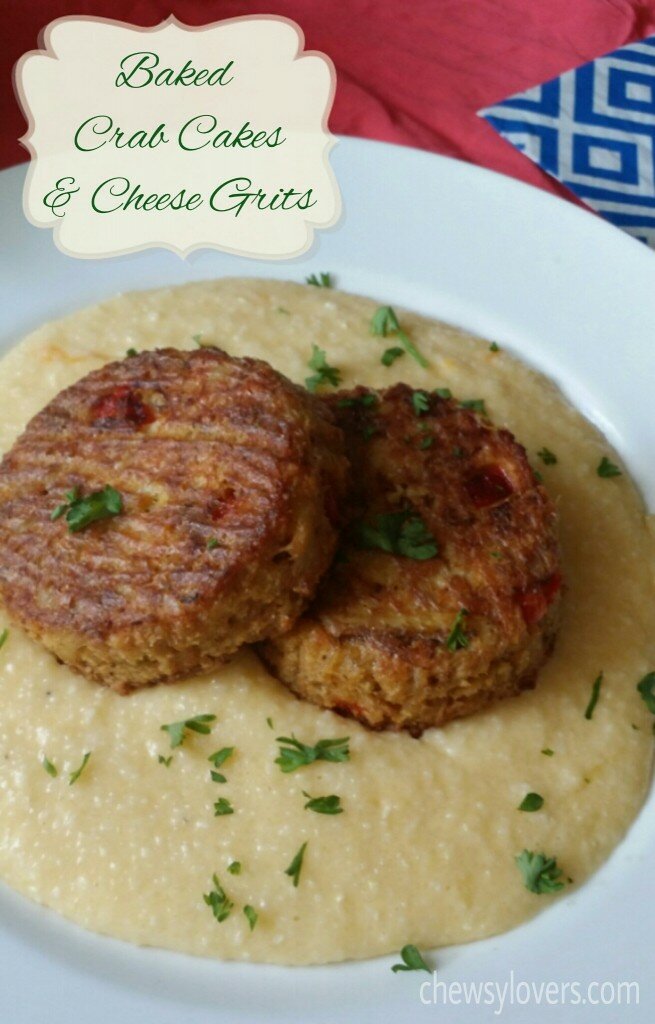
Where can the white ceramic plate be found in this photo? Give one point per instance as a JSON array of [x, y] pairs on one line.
[[571, 295]]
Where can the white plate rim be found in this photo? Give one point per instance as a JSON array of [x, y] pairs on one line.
[[575, 297]]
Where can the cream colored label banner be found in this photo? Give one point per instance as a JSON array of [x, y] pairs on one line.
[[177, 137]]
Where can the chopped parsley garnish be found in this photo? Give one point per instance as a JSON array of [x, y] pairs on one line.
[[444, 393], [166, 761], [531, 802], [366, 401], [3, 637], [81, 512], [218, 901], [458, 638], [269, 722], [646, 688], [325, 374], [294, 754], [71, 496], [217, 760], [235, 867], [384, 324], [320, 281], [593, 700], [281, 309], [249, 911], [426, 442], [607, 469], [200, 341], [132, 352], [74, 776], [222, 806], [390, 355], [547, 457], [49, 767], [420, 402], [547, 752], [295, 867], [540, 873], [399, 533], [323, 804], [212, 543], [221, 756], [475, 405], [494, 347], [496, 554], [411, 961], [384, 321], [177, 730]]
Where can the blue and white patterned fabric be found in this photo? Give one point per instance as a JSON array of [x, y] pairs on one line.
[[593, 129]]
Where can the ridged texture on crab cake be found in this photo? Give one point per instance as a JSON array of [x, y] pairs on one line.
[[225, 484], [444, 597]]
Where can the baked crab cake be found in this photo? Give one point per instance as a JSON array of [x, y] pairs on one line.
[[445, 594], [165, 510]]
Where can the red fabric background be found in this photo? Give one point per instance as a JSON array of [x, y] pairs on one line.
[[412, 72]]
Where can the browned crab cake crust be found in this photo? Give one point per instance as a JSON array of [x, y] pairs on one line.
[[231, 478], [379, 643]]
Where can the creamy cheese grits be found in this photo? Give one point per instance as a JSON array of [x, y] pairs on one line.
[[424, 850]]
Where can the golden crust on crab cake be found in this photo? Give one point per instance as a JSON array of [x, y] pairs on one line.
[[445, 595], [230, 479]]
